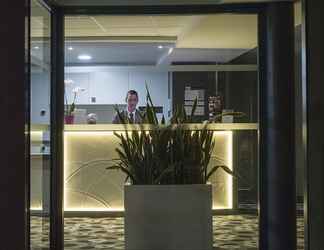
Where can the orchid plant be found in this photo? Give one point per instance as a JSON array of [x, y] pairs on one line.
[[69, 108]]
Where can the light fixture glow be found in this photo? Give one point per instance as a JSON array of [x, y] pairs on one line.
[[70, 48], [93, 209], [36, 208], [229, 162], [160, 47], [230, 166], [36, 47], [84, 57], [170, 51]]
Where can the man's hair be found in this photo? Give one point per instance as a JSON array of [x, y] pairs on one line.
[[131, 92]]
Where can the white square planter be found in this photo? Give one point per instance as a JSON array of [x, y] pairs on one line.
[[168, 217]]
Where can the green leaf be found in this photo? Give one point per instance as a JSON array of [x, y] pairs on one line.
[[215, 168], [166, 171], [194, 107], [124, 170]]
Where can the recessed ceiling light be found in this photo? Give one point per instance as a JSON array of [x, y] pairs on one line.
[[70, 48], [36, 47], [170, 51], [84, 57], [160, 47]]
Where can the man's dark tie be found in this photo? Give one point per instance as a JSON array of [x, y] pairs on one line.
[[131, 118]]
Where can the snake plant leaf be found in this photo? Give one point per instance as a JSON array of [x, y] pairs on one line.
[[125, 170], [163, 120], [215, 168], [151, 106], [166, 171], [193, 110], [168, 154]]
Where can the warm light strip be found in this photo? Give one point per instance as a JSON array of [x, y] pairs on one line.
[[94, 209], [36, 132], [230, 166], [87, 133], [36, 135], [65, 152], [36, 208], [229, 153], [88, 209]]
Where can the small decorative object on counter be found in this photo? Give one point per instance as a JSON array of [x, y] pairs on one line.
[[69, 119], [92, 118], [70, 108]]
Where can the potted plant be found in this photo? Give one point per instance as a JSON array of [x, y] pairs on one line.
[[168, 204], [70, 108]]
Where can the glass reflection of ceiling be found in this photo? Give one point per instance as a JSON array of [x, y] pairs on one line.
[[40, 37]]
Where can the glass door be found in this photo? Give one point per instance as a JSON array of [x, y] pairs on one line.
[[40, 113], [185, 57]]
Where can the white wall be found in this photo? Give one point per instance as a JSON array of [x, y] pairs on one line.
[[40, 97], [110, 85], [81, 80]]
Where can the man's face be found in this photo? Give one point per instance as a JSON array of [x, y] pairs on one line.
[[132, 101]]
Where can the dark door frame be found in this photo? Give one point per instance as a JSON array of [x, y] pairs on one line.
[[313, 121], [56, 128], [276, 45]]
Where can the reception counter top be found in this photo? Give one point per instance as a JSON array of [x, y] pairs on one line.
[[121, 127], [192, 126]]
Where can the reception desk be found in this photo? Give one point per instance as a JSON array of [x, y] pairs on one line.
[[88, 150]]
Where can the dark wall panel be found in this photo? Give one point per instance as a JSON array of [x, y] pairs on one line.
[[13, 177], [195, 80]]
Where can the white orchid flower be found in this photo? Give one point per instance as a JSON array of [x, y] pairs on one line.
[[68, 81], [78, 89]]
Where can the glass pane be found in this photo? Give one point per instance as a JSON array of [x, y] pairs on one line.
[[110, 63], [300, 154], [40, 171]]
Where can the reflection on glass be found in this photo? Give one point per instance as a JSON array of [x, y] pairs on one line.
[[40, 78], [111, 61], [300, 156]]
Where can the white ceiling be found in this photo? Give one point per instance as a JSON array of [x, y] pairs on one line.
[[145, 54], [199, 31], [221, 31], [134, 39]]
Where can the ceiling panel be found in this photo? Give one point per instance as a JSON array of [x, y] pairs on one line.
[[124, 21], [115, 53], [136, 31], [80, 22], [222, 31], [104, 53], [200, 31]]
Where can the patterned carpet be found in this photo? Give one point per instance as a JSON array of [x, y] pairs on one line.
[[230, 232]]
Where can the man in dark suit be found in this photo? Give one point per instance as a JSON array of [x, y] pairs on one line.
[[131, 112]]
